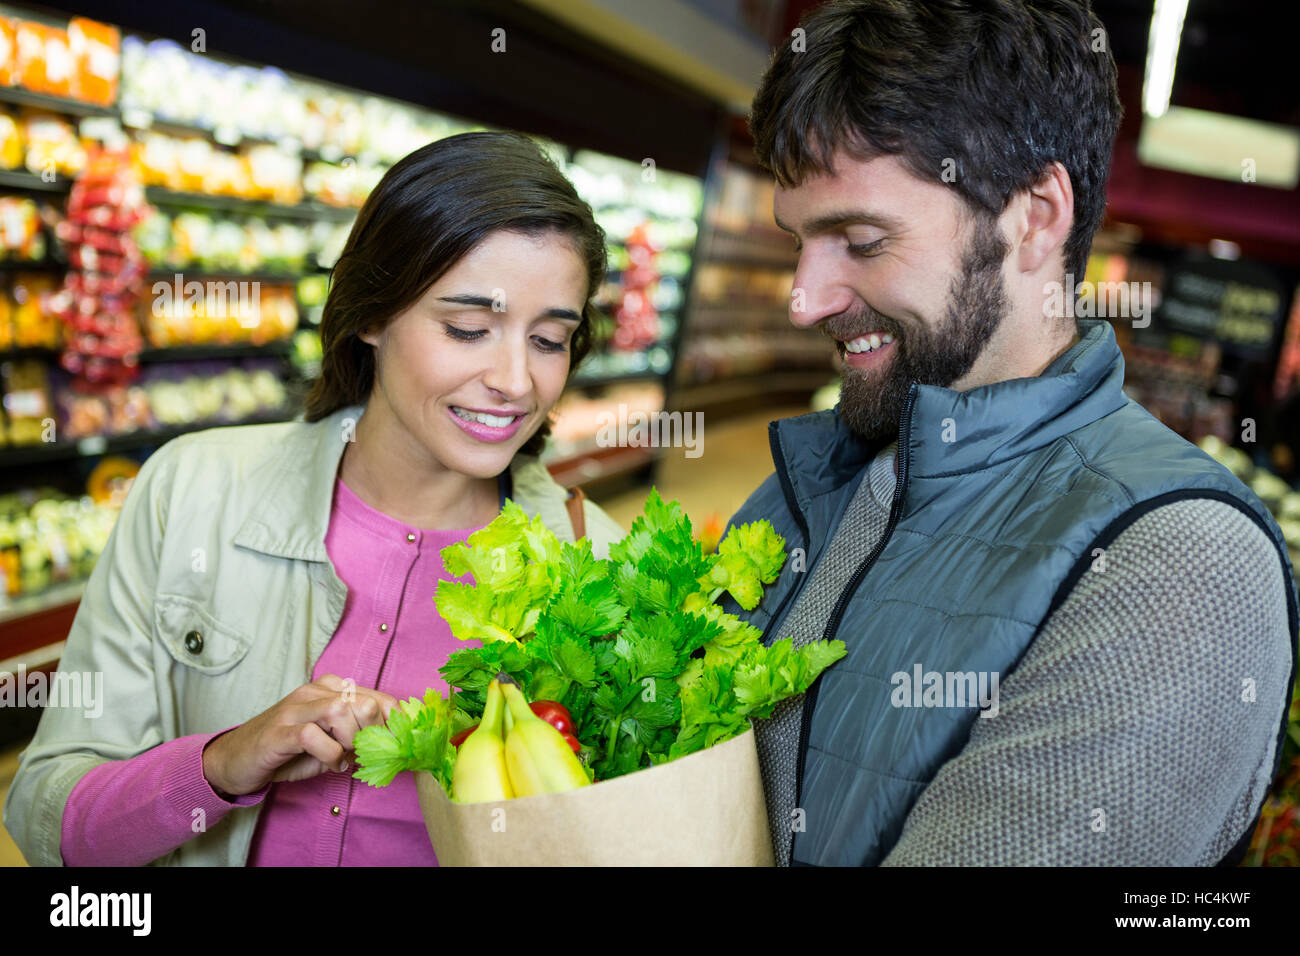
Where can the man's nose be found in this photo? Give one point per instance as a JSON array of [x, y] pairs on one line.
[[818, 293]]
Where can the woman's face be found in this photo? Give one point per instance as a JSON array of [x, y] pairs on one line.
[[472, 369]]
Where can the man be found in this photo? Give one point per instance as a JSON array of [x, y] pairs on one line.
[[1071, 635]]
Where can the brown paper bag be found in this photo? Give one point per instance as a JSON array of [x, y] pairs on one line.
[[705, 809]]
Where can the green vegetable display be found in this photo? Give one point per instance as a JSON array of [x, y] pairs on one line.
[[649, 667]]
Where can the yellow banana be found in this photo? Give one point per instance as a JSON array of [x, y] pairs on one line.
[[537, 756], [480, 773]]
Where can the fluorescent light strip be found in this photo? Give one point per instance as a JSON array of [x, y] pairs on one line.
[[1162, 55]]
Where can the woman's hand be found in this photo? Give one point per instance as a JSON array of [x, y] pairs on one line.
[[308, 733]]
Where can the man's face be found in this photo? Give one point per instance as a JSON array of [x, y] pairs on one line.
[[904, 279]]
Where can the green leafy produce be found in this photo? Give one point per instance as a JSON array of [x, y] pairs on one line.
[[650, 668]]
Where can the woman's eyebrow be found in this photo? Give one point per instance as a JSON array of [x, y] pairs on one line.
[[486, 302]]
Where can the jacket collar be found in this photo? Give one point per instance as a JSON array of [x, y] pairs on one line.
[[292, 514], [984, 426]]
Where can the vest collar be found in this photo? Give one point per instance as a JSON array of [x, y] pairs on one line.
[[292, 513], [985, 426]]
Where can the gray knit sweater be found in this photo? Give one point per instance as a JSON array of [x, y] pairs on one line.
[[1138, 729]]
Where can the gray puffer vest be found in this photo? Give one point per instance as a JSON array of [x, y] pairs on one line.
[[1003, 493]]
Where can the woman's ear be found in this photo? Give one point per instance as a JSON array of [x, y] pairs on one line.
[[369, 335]]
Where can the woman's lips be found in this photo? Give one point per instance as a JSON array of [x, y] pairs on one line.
[[484, 432]]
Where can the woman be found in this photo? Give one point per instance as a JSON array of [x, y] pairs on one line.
[[268, 589]]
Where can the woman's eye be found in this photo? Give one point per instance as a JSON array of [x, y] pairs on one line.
[[465, 335], [865, 250], [546, 345]]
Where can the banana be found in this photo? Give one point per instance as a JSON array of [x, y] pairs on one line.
[[537, 757], [480, 773]]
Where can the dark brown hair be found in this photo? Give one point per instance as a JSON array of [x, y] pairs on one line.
[[992, 91], [428, 211]]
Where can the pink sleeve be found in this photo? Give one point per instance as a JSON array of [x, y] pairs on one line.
[[130, 812]]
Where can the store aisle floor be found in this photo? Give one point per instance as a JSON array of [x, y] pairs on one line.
[[734, 457]]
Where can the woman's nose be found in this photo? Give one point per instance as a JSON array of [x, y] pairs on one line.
[[508, 371]]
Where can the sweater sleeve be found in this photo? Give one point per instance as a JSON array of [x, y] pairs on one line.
[[129, 812], [1140, 726]]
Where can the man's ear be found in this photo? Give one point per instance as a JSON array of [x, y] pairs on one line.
[[1048, 218]]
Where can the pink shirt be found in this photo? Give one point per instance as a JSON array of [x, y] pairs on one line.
[[129, 812]]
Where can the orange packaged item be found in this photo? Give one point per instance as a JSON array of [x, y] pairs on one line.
[[96, 60], [34, 324], [8, 52], [44, 60]]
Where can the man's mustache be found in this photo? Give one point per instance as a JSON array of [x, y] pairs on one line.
[[849, 325]]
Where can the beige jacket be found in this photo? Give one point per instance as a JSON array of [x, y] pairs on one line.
[[222, 533]]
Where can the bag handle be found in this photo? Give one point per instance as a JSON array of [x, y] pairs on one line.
[[577, 517]]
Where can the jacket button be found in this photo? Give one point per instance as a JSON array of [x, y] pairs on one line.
[[410, 537], [194, 642], [335, 811], [383, 627]]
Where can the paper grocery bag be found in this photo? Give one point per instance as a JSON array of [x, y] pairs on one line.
[[705, 809]]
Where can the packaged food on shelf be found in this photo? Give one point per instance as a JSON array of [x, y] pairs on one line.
[[47, 536], [8, 52], [187, 393], [22, 236], [218, 311], [52, 144], [96, 61], [43, 61], [11, 142], [32, 318], [99, 292], [99, 411], [26, 398]]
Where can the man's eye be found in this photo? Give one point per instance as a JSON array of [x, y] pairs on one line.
[[546, 345], [465, 335], [865, 250]]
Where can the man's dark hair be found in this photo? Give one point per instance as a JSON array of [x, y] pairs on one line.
[[998, 88]]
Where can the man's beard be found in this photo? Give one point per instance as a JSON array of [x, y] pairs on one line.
[[871, 403]]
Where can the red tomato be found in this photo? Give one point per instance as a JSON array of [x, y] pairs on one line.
[[572, 741], [458, 739], [554, 713]]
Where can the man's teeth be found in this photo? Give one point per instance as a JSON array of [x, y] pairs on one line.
[[868, 343], [496, 421]]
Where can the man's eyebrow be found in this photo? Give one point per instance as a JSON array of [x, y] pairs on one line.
[[486, 302], [837, 219]]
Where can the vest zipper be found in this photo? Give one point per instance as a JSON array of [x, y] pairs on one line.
[[778, 459], [833, 623]]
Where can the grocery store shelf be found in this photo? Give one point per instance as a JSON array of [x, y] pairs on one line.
[[99, 445], [747, 390], [33, 627], [35, 265], [56, 596], [59, 104], [167, 274], [30, 182], [174, 353], [205, 353], [598, 464], [249, 207], [600, 381]]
